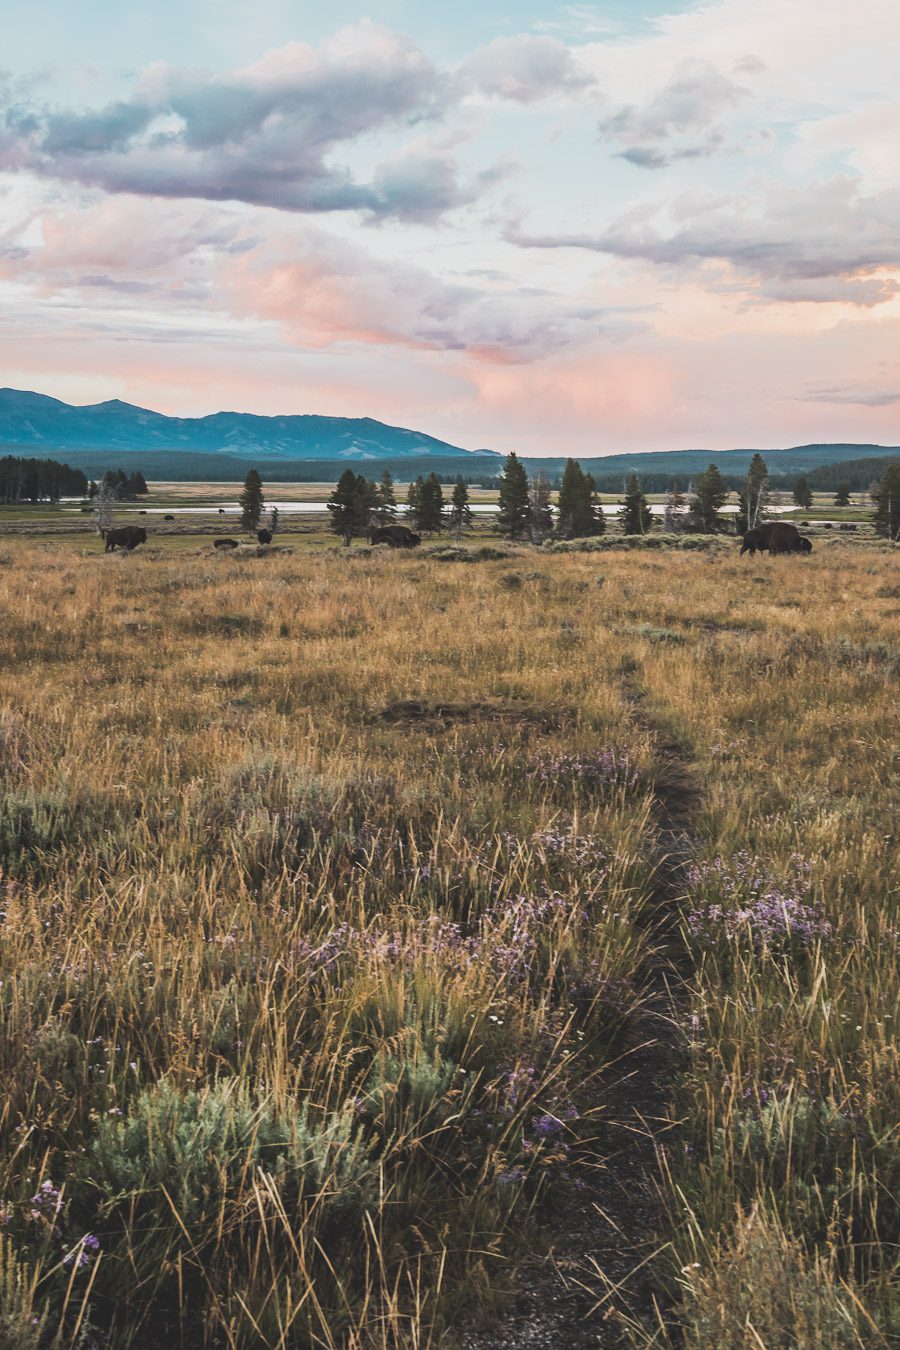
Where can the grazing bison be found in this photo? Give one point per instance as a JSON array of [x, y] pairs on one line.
[[168, 517], [395, 536], [225, 543], [126, 536], [777, 537], [264, 536]]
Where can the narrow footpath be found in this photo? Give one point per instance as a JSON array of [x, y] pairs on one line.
[[599, 1272]]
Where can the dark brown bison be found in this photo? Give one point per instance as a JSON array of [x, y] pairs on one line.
[[225, 543], [264, 536], [395, 536], [777, 537], [126, 536]]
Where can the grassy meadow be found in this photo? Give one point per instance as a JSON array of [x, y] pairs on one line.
[[336, 888]]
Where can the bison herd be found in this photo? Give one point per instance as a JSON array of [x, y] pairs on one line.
[[779, 537]]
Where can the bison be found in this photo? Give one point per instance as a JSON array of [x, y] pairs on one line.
[[777, 537], [264, 536], [126, 536], [395, 536], [225, 543]]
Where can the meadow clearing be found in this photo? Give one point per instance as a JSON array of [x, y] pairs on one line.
[[368, 920]]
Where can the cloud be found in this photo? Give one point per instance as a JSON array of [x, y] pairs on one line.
[[867, 398], [823, 243], [525, 69], [266, 134], [690, 107], [324, 291], [93, 248]]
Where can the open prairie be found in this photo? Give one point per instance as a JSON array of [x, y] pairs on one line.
[[497, 951]]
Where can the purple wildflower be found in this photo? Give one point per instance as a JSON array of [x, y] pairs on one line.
[[602, 769], [745, 895], [86, 1253], [46, 1203]]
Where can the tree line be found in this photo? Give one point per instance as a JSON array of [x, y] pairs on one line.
[[38, 480], [525, 509]]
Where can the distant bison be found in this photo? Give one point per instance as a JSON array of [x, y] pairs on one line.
[[264, 536], [126, 536], [168, 517], [395, 536], [225, 543]]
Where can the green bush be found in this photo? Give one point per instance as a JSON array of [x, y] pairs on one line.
[[196, 1152]]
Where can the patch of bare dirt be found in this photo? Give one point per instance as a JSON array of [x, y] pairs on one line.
[[421, 713]]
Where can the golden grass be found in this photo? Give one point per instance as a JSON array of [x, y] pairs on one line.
[[324, 848]]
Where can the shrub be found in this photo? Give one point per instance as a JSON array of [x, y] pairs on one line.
[[198, 1153]]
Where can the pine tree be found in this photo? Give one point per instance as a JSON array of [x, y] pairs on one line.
[[430, 516], [635, 514], [570, 498], [541, 512], [887, 503], [460, 511], [514, 515], [842, 496], [757, 492], [386, 505], [803, 494], [579, 509], [350, 505], [251, 502], [710, 494]]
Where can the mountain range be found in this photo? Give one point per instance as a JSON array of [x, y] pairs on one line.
[[35, 419], [222, 446]]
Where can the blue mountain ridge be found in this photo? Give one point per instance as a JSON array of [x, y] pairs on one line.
[[94, 435]]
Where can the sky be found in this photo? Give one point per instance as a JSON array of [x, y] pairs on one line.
[[550, 228]]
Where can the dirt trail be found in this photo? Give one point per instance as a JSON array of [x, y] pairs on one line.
[[604, 1239]]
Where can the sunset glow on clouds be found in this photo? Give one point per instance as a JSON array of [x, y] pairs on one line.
[[584, 229]]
